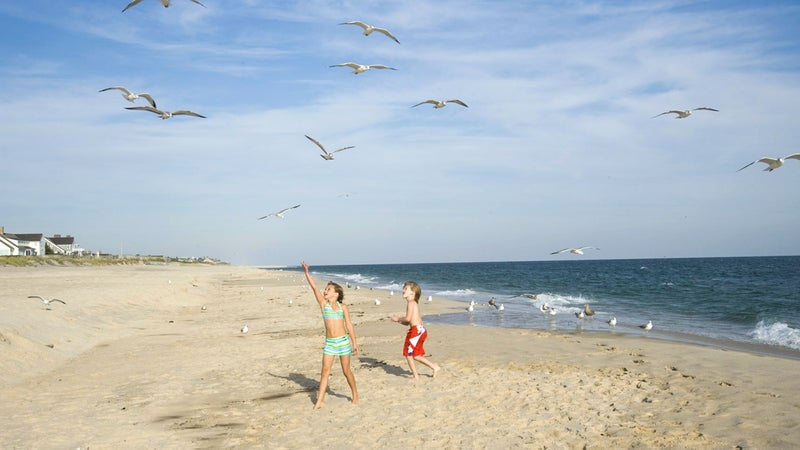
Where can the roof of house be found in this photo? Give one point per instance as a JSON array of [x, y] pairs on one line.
[[62, 240], [25, 236]]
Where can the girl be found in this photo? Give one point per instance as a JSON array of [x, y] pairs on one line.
[[340, 337]]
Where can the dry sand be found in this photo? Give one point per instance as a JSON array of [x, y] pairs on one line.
[[132, 361]]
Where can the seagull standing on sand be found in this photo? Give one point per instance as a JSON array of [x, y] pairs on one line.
[[773, 163], [47, 301], [328, 156], [368, 29], [574, 251], [130, 96], [165, 114], [430, 298], [648, 326], [280, 213], [441, 103], [471, 307], [245, 329], [682, 114], [377, 302], [166, 4], [360, 68]]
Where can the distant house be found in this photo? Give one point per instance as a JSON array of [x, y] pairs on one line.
[[60, 245], [7, 246], [24, 244]]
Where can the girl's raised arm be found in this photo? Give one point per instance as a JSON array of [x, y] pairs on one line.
[[317, 293]]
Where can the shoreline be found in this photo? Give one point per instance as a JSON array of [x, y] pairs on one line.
[[136, 362]]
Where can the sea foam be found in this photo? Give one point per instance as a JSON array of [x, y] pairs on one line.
[[777, 333]]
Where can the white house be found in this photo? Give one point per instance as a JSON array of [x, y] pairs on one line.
[[63, 245], [26, 244]]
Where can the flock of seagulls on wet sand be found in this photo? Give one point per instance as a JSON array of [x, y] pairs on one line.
[[586, 313]]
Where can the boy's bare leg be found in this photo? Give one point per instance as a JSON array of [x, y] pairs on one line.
[[413, 367], [430, 364]]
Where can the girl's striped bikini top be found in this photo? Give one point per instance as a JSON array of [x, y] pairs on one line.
[[329, 313]]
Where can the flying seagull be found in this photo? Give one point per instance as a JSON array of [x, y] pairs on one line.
[[440, 103], [280, 213], [130, 96], [47, 301], [368, 29], [359, 68], [166, 4], [682, 114], [773, 163], [165, 114], [325, 154], [576, 251]]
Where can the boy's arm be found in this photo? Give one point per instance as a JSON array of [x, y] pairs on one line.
[[404, 320]]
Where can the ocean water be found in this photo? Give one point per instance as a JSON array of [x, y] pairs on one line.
[[746, 303]]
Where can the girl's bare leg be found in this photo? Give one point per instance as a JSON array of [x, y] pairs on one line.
[[327, 363], [351, 379]]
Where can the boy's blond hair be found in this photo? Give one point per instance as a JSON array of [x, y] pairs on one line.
[[414, 287]]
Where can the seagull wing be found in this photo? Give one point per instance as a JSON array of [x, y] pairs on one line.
[[184, 112], [117, 87], [348, 64], [39, 297], [199, 3], [343, 148], [458, 102], [318, 144], [133, 3], [356, 22], [146, 108], [705, 108], [667, 112], [561, 251], [149, 98], [427, 101], [286, 209], [380, 66], [58, 300], [765, 160], [387, 33], [792, 156], [584, 248]]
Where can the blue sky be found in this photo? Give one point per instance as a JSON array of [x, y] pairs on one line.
[[558, 147]]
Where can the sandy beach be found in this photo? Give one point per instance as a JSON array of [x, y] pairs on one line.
[[133, 360]]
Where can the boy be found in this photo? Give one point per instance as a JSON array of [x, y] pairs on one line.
[[413, 349]]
